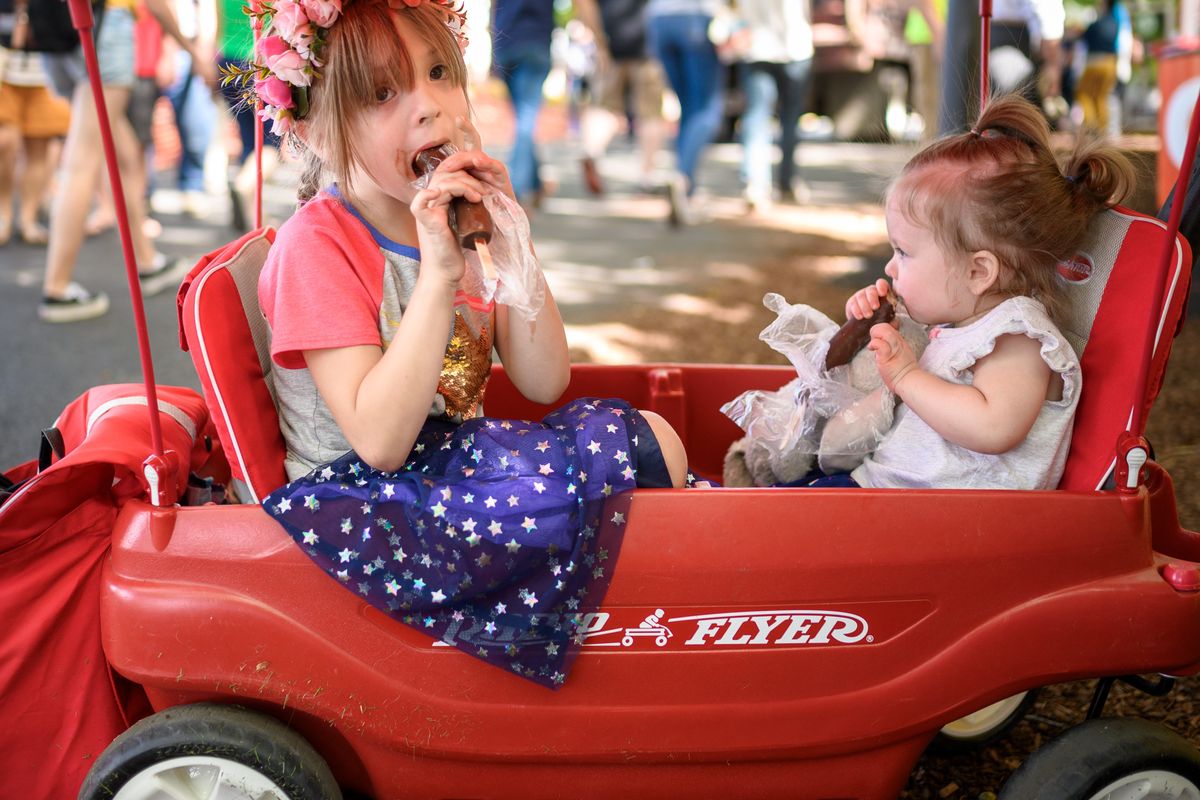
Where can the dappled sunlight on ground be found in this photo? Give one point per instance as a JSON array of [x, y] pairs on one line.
[[858, 226], [614, 343], [701, 307]]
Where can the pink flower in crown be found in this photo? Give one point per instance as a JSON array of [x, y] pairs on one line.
[[288, 65], [291, 22], [274, 92], [456, 27], [280, 119], [323, 13]]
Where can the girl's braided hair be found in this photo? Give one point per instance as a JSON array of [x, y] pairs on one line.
[[1000, 187]]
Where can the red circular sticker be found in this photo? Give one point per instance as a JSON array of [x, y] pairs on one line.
[[1076, 269]]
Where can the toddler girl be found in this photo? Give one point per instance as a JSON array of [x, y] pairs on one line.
[[978, 224], [488, 534]]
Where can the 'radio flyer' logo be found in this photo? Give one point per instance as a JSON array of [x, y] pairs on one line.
[[738, 628], [1076, 269]]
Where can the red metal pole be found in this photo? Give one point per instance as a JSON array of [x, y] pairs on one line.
[[985, 47], [258, 141], [81, 18]]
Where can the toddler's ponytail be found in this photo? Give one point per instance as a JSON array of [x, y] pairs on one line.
[[1000, 187], [1099, 172]]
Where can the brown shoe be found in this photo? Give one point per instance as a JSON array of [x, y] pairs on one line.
[[591, 177]]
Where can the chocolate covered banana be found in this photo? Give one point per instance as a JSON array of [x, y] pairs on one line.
[[471, 222], [854, 335]]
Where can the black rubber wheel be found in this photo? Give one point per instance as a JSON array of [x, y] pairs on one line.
[[1110, 758], [200, 746], [976, 731]]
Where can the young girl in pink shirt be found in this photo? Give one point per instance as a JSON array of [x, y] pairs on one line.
[[489, 534]]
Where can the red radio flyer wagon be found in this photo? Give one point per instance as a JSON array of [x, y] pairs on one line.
[[715, 667]]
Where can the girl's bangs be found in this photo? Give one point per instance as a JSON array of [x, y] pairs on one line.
[[373, 55]]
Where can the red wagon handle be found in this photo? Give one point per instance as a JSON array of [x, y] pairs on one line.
[[256, 24], [985, 48], [156, 468]]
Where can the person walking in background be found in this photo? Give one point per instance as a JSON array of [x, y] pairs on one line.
[[1099, 77], [1026, 55], [622, 68], [235, 50], [62, 299], [1129, 51], [147, 51], [1027, 50], [925, 30], [31, 120], [776, 71], [192, 101], [677, 35], [521, 57]]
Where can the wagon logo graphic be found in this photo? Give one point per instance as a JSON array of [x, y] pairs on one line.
[[650, 627], [1076, 269], [739, 628]]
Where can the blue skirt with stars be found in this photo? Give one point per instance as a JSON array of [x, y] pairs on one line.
[[493, 538]]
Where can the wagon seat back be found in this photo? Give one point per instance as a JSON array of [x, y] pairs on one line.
[[1110, 284], [223, 328]]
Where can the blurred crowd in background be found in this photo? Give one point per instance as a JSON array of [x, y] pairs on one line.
[[671, 76]]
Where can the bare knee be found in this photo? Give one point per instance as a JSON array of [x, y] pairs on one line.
[[10, 139], [671, 446]]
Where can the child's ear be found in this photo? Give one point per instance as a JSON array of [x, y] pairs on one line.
[[304, 132], [983, 272]]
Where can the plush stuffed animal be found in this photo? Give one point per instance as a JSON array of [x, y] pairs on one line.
[[829, 418]]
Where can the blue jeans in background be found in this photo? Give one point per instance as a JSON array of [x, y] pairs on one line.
[[765, 85], [680, 42], [195, 118], [524, 70]]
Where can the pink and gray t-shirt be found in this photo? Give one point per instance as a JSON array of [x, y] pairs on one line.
[[331, 280]]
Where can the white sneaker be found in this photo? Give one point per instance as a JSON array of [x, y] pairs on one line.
[[680, 213], [196, 204], [76, 305], [758, 200], [167, 273]]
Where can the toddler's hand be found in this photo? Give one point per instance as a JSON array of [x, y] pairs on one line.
[[863, 303], [893, 356]]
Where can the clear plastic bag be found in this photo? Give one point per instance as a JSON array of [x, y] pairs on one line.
[[521, 285], [833, 418]]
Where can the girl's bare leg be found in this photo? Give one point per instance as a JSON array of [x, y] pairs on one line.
[[10, 139], [671, 446], [33, 182], [83, 164]]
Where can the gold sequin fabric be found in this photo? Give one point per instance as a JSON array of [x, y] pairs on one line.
[[465, 368]]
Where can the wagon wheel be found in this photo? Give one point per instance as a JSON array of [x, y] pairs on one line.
[[984, 726], [210, 751], [1110, 759]]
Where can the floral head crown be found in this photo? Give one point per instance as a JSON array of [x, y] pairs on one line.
[[287, 54]]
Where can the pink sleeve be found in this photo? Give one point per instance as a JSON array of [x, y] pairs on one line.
[[322, 284]]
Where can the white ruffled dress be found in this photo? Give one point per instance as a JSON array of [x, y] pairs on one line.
[[913, 455]]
